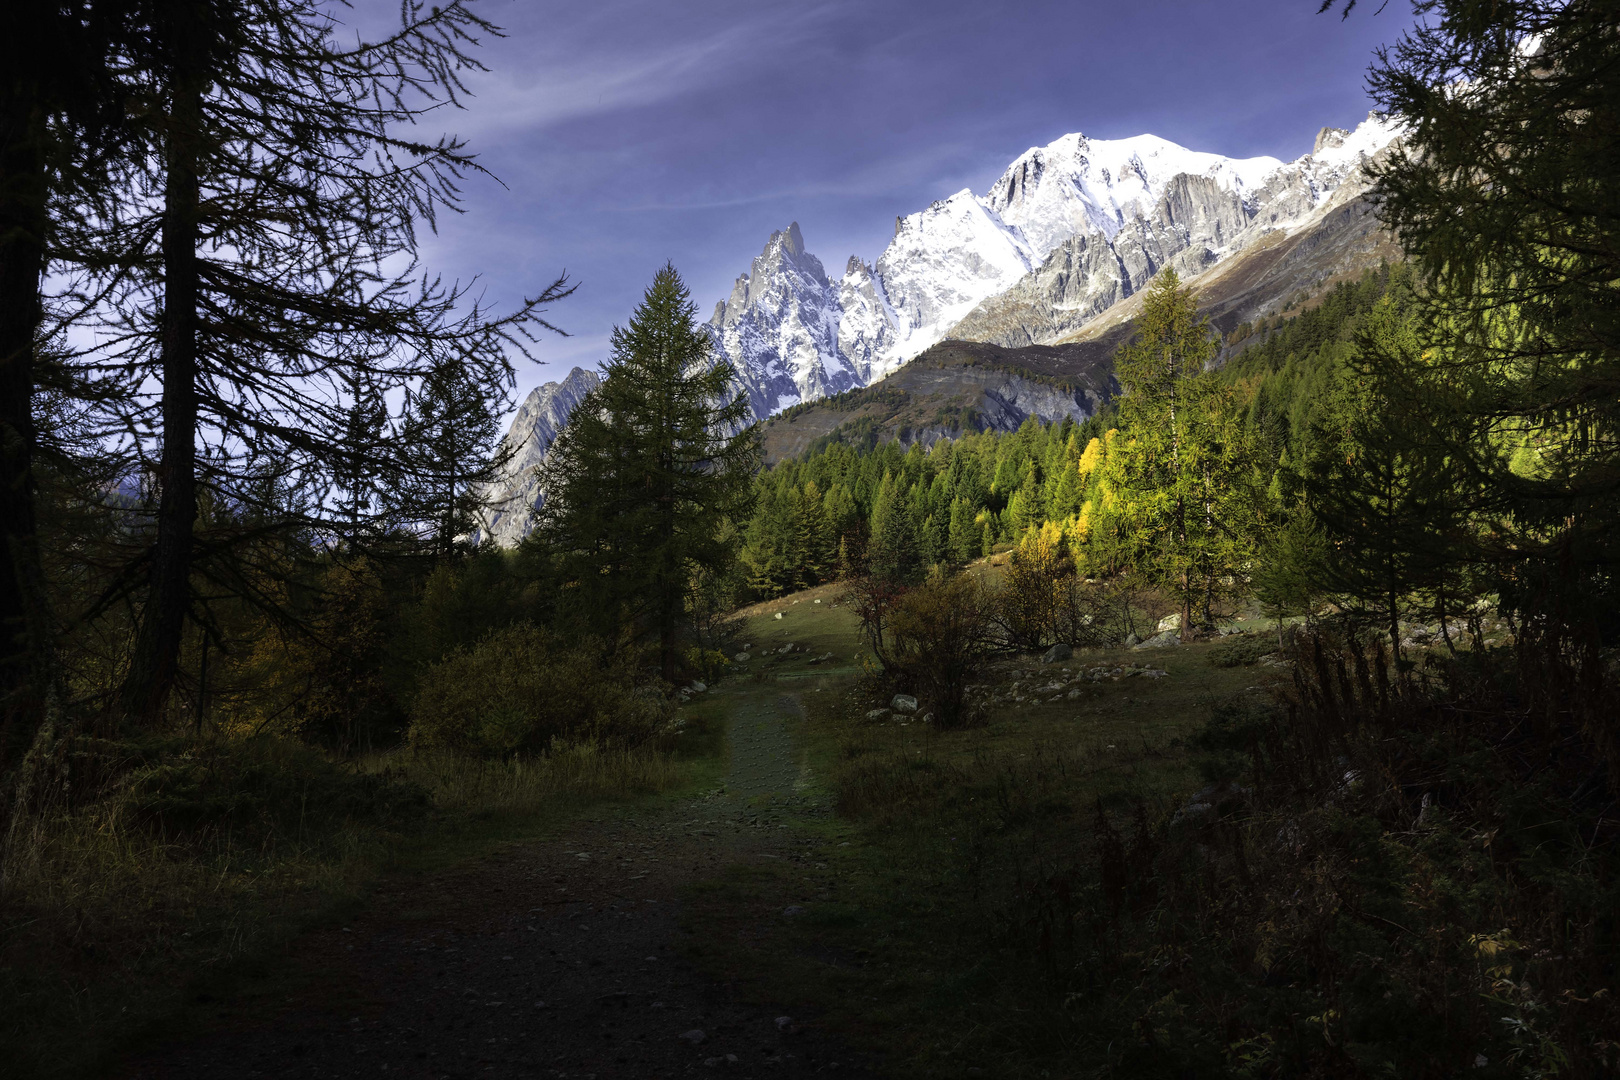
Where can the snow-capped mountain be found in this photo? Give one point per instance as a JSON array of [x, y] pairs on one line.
[[1067, 231], [783, 316], [544, 412], [1070, 230]]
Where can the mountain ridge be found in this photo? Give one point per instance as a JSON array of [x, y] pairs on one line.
[[1054, 254]]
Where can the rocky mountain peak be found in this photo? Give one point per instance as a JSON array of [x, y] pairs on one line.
[[1328, 138]]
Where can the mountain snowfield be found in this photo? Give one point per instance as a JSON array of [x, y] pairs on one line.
[[1070, 230], [1107, 214]]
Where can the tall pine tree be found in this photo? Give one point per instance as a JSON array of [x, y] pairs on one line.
[[650, 466]]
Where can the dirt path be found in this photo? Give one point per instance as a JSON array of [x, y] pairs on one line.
[[558, 958]]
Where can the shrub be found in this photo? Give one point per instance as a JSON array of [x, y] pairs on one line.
[[939, 636], [1399, 877], [708, 664], [520, 690]]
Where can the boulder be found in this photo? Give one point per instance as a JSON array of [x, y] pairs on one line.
[[741, 658], [778, 615], [1057, 654], [1168, 639], [1170, 622], [699, 687], [903, 703], [877, 714], [1132, 641]]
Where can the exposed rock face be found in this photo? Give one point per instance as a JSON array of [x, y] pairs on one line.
[[954, 387], [783, 317], [1069, 230], [542, 415], [1195, 224]]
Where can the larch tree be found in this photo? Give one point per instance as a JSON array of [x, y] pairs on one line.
[[449, 435], [652, 466], [264, 263], [61, 125], [1506, 196], [1171, 470]]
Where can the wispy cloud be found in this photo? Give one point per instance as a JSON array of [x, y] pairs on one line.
[[875, 177], [579, 75]]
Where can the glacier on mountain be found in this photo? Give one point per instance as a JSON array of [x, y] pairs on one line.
[[1081, 222]]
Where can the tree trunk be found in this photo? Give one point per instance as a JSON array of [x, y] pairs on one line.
[[157, 644], [25, 647]]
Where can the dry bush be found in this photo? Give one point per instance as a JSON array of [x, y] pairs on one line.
[[522, 690]]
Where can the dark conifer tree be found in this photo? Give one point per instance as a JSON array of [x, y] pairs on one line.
[[60, 128], [449, 436], [650, 466], [1507, 197], [267, 264]]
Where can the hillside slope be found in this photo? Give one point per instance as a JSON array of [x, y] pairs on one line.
[[955, 386]]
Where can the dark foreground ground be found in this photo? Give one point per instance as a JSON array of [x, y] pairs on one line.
[[557, 958]]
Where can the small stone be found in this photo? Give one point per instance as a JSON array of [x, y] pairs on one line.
[[783, 1023], [778, 615], [540, 1005], [792, 910], [877, 714], [695, 1037], [698, 687], [741, 658], [818, 601], [903, 703]]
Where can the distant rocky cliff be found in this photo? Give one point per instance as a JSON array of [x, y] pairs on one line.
[[543, 413]]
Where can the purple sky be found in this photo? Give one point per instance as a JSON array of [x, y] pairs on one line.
[[630, 132]]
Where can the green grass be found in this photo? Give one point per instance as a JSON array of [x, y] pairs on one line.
[[921, 935]]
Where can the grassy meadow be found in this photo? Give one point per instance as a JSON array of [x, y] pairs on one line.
[[923, 930]]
